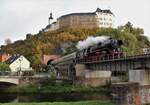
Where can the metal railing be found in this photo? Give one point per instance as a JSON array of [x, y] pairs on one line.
[[112, 57], [4, 74]]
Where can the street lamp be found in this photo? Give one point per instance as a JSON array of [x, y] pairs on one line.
[[20, 59]]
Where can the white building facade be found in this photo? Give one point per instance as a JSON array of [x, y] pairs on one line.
[[18, 63], [105, 19]]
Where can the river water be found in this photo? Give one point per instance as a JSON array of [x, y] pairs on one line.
[[45, 97]]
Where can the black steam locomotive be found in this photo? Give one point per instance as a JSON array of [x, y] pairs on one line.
[[109, 48]]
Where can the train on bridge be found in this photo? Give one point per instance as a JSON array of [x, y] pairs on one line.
[[109, 48]]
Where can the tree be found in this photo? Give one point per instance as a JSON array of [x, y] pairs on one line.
[[8, 41], [4, 67]]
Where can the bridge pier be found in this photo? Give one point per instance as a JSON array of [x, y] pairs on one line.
[[125, 93], [89, 77], [142, 76]]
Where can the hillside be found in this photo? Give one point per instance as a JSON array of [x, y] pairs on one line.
[[64, 41]]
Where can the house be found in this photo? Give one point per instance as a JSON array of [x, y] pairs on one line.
[[4, 57], [18, 63]]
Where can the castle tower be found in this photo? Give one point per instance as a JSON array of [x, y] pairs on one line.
[[50, 19]]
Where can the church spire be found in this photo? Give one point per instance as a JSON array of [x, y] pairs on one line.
[[50, 18]]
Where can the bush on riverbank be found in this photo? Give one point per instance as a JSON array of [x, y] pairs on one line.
[[4, 67], [54, 88], [64, 103]]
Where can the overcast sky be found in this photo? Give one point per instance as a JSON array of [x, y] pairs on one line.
[[19, 17]]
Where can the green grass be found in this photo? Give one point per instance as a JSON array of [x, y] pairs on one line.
[[64, 103]]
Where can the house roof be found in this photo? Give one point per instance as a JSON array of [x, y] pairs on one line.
[[12, 59], [88, 13], [71, 14], [49, 25], [103, 11]]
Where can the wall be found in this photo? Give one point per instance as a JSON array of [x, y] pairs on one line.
[[140, 76], [125, 93], [74, 21], [24, 64], [145, 94], [91, 77], [105, 19], [46, 58]]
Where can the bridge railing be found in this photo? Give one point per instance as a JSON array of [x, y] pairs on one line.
[[136, 53], [10, 74], [24, 76]]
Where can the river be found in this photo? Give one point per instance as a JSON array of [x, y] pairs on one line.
[[49, 97]]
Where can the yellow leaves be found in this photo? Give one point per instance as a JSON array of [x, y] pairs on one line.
[[45, 43]]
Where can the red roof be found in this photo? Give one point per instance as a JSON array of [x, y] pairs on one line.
[[4, 57]]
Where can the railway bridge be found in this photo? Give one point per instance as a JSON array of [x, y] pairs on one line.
[[117, 63], [98, 71]]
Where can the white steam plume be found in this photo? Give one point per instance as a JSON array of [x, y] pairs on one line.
[[90, 41]]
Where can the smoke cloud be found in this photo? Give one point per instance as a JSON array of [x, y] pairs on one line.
[[90, 41]]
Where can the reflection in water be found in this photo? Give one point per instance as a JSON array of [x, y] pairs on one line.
[[7, 97], [51, 97], [47, 97]]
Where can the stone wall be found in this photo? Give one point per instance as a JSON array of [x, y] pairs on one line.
[[93, 78], [30, 80], [74, 21], [126, 93], [130, 93], [141, 76], [145, 94]]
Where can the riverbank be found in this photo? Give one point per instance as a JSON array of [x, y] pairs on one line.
[[55, 88], [54, 92], [64, 103]]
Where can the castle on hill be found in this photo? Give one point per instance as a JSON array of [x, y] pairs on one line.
[[99, 18]]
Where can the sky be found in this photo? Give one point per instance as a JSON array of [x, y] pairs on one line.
[[20, 17]]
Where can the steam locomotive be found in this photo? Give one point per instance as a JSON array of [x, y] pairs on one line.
[[109, 48]]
